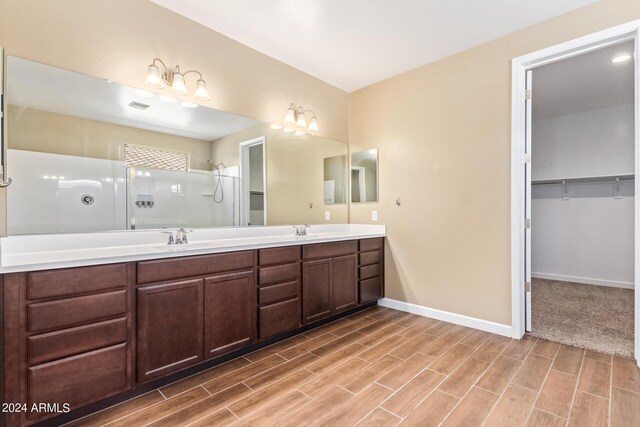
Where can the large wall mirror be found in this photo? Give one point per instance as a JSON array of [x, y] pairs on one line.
[[87, 155], [364, 176]]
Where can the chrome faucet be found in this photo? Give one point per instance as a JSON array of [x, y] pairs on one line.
[[301, 230], [180, 236]]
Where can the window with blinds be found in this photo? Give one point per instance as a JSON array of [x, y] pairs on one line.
[[155, 158]]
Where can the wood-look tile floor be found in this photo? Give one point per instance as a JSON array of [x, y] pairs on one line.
[[383, 367]]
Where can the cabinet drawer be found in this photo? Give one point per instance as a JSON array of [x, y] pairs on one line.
[[80, 379], [328, 250], [76, 281], [369, 271], [59, 344], [371, 244], [178, 268], [370, 290], [367, 258], [279, 317], [273, 293], [279, 255], [279, 273], [63, 313]]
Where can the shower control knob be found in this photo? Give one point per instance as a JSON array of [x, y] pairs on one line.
[[87, 199]]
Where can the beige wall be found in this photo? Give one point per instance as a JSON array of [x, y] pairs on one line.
[[36, 130], [295, 174], [117, 39], [443, 131]]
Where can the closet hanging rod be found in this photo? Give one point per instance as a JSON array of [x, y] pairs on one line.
[[584, 179]]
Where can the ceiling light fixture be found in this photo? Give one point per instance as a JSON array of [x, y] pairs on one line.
[[621, 58], [296, 117], [175, 79]]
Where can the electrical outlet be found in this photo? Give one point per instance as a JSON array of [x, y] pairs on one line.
[[327, 215], [374, 215]]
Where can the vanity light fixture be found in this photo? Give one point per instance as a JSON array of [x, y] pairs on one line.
[[175, 79], [296, 117]]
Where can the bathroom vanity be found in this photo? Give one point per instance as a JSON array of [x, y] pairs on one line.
[[87, 328], [97, 306]]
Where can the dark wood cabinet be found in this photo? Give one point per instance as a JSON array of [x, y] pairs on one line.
[[280, 317], [80, 335], [169, 327], [344, 282], [316, 289], [229, 312], [370, 272], [329, 286], [80, 379]]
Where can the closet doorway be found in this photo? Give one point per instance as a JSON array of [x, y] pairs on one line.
[[574, 211]]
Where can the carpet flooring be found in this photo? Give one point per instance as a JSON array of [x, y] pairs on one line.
[[597, 318]]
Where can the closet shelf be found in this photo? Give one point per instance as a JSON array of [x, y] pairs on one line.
[[599, 178]]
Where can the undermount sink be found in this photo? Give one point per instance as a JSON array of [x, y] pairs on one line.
[[185, 246]]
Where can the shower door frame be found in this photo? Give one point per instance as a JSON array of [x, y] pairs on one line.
[[520, 159]]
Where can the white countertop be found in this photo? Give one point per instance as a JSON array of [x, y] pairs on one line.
[[51, 251]]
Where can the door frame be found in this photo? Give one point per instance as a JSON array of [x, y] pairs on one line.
[[362, 182], [519, 66], [245, 203]]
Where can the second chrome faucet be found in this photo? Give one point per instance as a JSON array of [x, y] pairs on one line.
[[180, 237]]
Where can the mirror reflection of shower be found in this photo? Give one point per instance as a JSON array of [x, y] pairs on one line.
[[219, 189]]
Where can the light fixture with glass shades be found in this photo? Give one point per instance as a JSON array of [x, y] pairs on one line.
[[175, 79], [295, 117]]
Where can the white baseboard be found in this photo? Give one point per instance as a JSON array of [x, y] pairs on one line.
[[584, 280], [458, 319]]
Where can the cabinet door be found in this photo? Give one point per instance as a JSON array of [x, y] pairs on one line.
[[169, 323], [345, 282], [229, 312], [316, 289]]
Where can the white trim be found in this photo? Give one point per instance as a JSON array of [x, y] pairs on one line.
[[244, 196], [446, 316], [519, 66], [584, 280]]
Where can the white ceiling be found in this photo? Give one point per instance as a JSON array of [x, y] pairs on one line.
[[43, 87], [583, 83], [354, 43]]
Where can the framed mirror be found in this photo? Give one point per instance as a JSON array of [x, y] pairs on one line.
[[88, 155], [364, 176]]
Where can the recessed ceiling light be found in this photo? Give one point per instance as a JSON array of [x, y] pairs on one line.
[[621, 58], [187, 104], [300, 133], [276, 127], [165, 98], [288, 130], [143, 93]]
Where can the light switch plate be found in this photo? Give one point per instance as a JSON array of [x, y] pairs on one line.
[[327, 215], [374, 215]]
